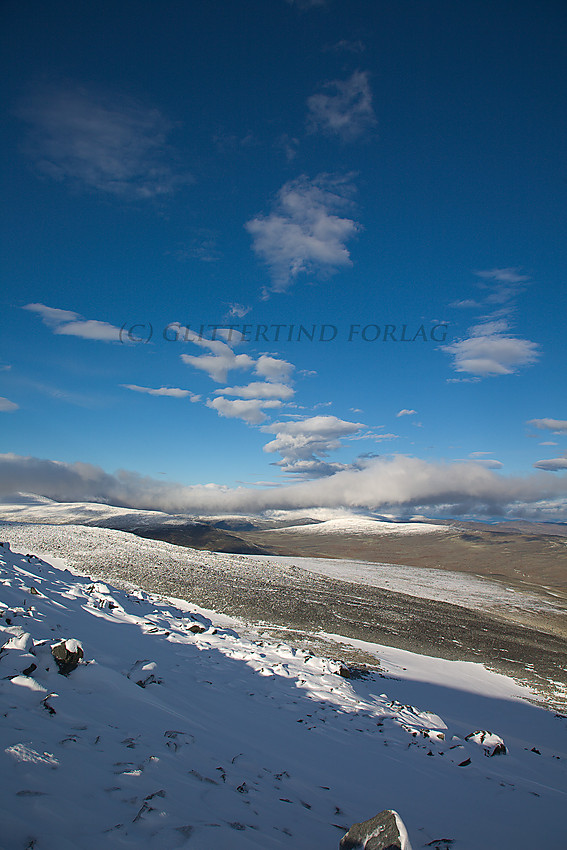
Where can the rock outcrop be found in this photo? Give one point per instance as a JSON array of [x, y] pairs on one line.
[[385, 831]]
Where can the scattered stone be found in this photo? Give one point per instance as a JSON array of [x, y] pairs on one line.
[[196, 629], [386, 831], [67, 655]]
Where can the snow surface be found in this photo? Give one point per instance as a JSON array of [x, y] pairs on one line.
[[177, 731], [463, 589], [363, 525]]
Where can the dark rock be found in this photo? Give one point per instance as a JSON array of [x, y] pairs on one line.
[[196, 629], [67, 655], [383, 832]]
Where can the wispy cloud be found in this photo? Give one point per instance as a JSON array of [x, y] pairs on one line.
[[343, 108], [238, 311], [406, 412], [491, 350], [172, 392], [490, 347], [307, 4], [346, 45], [554, 464], [104, 142], [7, 406], [71, 324], [558, 426], [304, 233]]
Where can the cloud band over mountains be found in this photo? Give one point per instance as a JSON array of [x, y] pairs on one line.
[[402, 484]]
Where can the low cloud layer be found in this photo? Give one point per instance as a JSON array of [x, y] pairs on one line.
[[400, 484]]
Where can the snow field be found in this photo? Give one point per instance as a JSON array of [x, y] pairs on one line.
[[174, 731]]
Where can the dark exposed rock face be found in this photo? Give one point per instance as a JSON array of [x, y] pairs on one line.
[[67, 655], [379, 833]]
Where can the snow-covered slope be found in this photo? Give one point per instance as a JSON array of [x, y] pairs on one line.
[[363, 525], [27, 507], [174, 731]]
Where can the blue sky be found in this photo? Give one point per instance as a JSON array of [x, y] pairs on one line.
[[388, 176]]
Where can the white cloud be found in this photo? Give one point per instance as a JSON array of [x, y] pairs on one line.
[[343, 108], [90, 329], [558, 426], [217, 364], [273, 369], [250, 410], [383, 484], [552, 464], [52, 316], [7, 406], [490, 350], [303, 234], [406, 412], [108, 143], [548, 443], [259, 389], [71, 324], [307, 441], [172, 392]]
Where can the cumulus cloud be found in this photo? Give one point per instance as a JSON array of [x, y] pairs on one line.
[[558, 426], [303, 443], [343, 108], [304, 234], [273, 369], [7, 406], [491, 350], [72, 324], [383, 484], [219, 362], [406, 412], [107, 143], [250, 410], [553, 464], [172, 392], [258, 389]]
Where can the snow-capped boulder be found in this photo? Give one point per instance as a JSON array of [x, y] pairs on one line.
[[67, 654], [493, 744], [385, 831]]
